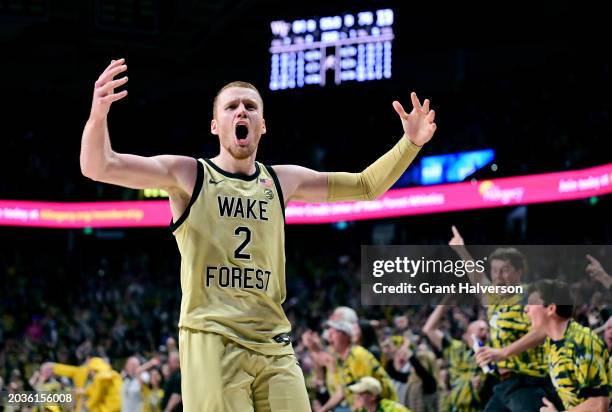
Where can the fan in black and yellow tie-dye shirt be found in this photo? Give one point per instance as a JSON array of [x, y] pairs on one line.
[[608, 341], [577, 358], [578, 365], [524, 381], [462, 369], [509, 323]]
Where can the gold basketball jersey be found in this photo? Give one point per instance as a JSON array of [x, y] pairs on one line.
[[232, 243]]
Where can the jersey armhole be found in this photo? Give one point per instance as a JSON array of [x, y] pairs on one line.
[[196, 192], [279, 190]]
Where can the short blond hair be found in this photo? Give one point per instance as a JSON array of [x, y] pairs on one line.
[[238, 83]]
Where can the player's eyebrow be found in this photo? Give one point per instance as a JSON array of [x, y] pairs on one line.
[[246, 100]]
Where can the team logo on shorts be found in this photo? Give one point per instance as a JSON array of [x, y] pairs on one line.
[[269, 194]]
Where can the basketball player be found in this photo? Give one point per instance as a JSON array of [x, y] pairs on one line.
[[228, 220]]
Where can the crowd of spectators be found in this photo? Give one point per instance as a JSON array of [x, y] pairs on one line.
[[124, 311]]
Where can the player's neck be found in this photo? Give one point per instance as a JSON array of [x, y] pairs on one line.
[[556, 328], [230, 164]]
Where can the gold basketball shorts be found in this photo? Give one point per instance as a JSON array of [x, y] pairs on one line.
[[218, 375]]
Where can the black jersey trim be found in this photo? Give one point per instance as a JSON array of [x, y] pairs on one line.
[[234, 175], [196, 192], [279, 190]]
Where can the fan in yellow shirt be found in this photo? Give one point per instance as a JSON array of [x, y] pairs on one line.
[[96, 385]]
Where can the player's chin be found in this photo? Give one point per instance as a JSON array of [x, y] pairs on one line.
[[241, 152], [242, 143]]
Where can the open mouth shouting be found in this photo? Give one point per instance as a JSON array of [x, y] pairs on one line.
[[242, 132]]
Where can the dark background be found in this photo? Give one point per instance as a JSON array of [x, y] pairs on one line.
[[526, 79]]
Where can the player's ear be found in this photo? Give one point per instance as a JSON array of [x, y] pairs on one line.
[[213, 127], [263, 126]]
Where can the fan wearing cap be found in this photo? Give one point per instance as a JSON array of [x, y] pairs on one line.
[[367, 397], [353, 363], [326, 367]]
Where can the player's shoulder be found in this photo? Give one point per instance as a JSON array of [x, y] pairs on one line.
[[187, 174], [177, 161], [287, 169]]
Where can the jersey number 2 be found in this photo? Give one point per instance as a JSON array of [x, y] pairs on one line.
[[238, 252]]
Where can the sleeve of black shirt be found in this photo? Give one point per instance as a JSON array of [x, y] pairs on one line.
[[445, 342], [172, 386], [394, 373], [429, 382]]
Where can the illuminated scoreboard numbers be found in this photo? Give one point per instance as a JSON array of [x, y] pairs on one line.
[[312, 66], [352, 47], [387, 60], [295, 69]]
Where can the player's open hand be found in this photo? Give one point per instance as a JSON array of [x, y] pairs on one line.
[[418, 125], [104, 91]]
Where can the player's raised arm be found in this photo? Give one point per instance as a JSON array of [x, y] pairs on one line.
[[175, 174], [304, 184]]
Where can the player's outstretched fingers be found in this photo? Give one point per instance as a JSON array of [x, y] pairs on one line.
[[108, 75], [114, 63], [114, 97], [426, 105], [431, 116], [110, 86], [400, 110], [415, 101]]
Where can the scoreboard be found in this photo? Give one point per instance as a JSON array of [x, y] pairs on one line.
[[317, 51]]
